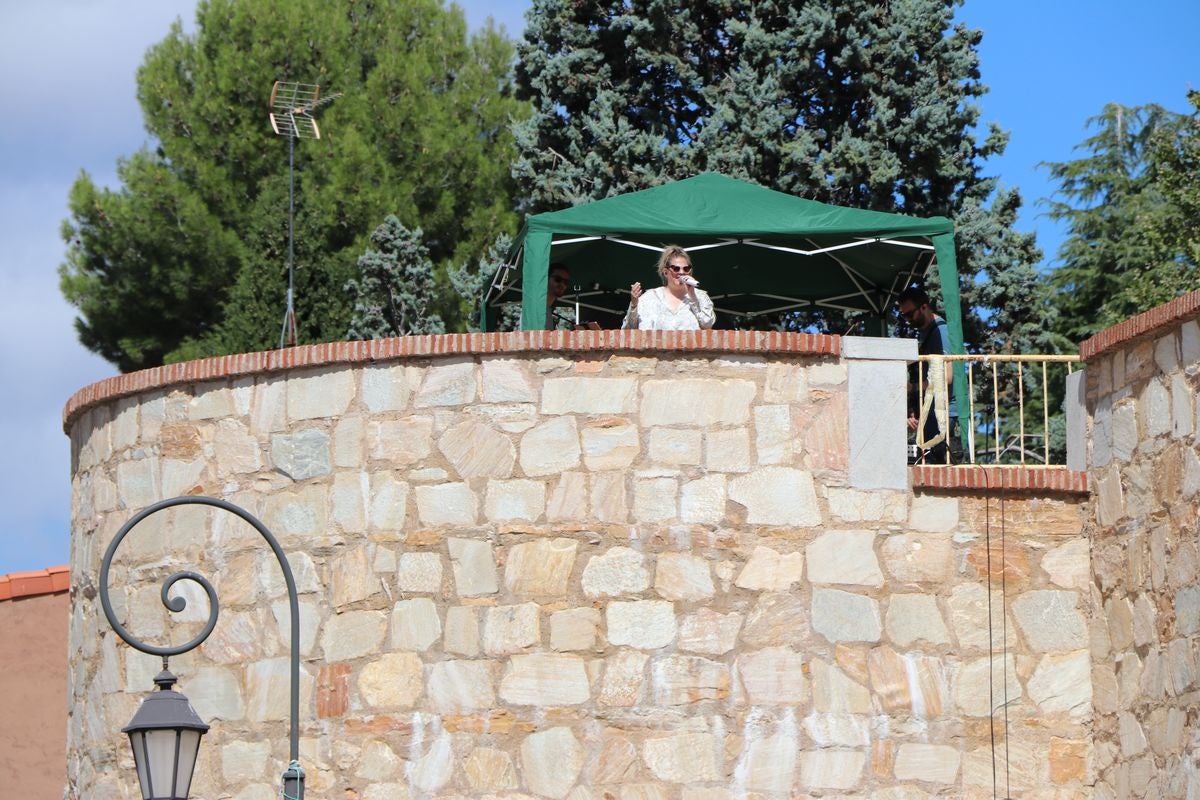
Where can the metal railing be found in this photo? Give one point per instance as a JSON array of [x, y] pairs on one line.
[[1013, 407]]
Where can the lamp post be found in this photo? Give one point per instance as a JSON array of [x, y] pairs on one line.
[[165, 732]]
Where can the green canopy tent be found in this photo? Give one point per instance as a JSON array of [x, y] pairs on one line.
[[756, 252]]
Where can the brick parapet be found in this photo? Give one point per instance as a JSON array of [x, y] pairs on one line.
[[1012, 479], [445, 345], [1144, 324]]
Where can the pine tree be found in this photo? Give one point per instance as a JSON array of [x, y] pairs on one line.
[[392, 294], [1128, 245], [856, 103], [189, 256]]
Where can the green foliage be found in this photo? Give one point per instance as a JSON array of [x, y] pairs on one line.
[[1130, 205], [189, 256], [857, 103], [471, 283], [392, 293]]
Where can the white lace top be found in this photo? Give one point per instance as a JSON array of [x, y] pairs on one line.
[[653, 314]]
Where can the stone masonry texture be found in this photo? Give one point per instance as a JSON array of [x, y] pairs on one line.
[[637, 574]]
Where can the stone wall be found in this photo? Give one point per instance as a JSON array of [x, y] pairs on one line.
[[635, 574], [1141, 386]]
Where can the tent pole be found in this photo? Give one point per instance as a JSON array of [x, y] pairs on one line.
[[943, 245]]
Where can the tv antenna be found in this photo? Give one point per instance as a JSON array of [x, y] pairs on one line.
[[292, 109]]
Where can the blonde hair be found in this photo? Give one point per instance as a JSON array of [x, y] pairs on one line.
[[669, 252]]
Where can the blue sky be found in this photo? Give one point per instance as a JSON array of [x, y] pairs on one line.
[[68, 102]]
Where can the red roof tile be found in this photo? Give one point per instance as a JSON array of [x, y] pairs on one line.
[[30, 584]]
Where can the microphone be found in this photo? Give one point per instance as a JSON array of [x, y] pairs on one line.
[[690, 281]]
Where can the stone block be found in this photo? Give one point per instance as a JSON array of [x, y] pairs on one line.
[[913, 618], [182, 477], [352, 635], [419, 572], [727, 450], [777, 618], [268, 689], [461, 635], [777, 496], [1075, 409], [244, 761], [540, 568], [933, 513], [515, 499], [568, 499], [681, 576], [476, 450], [1155, 409], [609, 503], [449, 382], [415, 624], [774, 676], [378, 762], [137, 482], [394, 680], [349, 434], [1124, 430], [301, 455], [511, 629], [982, 685], [655, 499], [620, 571], [388, 505], [624, 679], [834, 692], [550, 448], [474, 567], [702, 501], [679, 680], [609, 443], [216, 694], [844, 730], [388, 387], [684, 757], [351, 578], [447, 504], [1182, 413], [709, 631], [768, 764], [832, 769], [488, 769], [236, 449], [401, 442], [770, 571], [504, 381], [433, 770], [1069, 565], [1050, 620], [319, 393], [462, 687], [1062, 683], [643, 624], [702, 402], [876, 425], [844, 616], [589, 395], [551, 761], [918, 557], [933, 763], [845, 557], [852, 505], [675, 446], [773, 434], [545, 679], [574, 629]]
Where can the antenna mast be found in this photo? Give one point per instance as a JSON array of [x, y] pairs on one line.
[[292, 109]]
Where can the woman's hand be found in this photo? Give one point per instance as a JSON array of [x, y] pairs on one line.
[[635, 291]]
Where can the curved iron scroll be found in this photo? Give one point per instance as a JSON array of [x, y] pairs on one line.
[[177, 604]]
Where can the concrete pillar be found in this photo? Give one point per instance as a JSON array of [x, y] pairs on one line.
[[878, 378]]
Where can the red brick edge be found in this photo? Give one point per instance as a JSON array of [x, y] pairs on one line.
[[450, 344], [1143, 324], [30, 584], [1011, 479]]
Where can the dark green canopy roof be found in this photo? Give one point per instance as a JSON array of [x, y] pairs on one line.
[[755, 251]]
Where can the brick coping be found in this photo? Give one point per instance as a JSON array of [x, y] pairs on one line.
[[1144, 324], [447, 345], [992, 478], [51, 580]]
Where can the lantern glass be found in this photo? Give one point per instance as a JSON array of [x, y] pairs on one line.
[[165, 760]]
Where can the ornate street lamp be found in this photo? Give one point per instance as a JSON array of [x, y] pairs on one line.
[[165, 736], [165, 732]]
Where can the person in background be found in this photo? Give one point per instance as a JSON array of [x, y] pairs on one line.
[[933, 338], [556, 287], [677, 305]]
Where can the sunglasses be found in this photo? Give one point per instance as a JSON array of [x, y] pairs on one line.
[[558, 279], [686, 269], [908, 315]]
